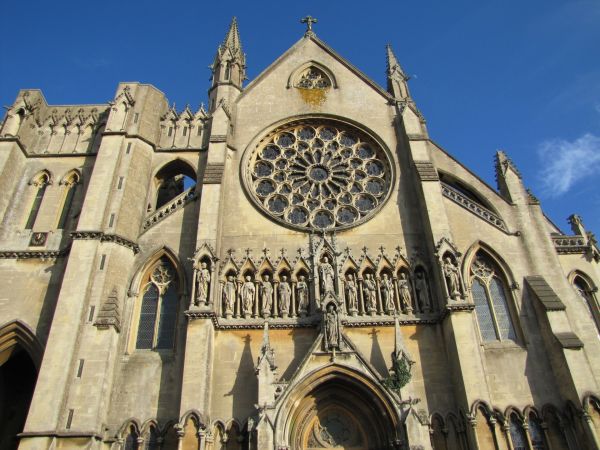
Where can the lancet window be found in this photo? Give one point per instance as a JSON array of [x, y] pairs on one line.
[[517, 433], [41, 182], [536, 433], [586, 293], [158, 309], [490, 295], [70, 183]]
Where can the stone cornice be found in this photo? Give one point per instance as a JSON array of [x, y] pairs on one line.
[[104, 237], [33, 254], [473, 207], [308, 322]]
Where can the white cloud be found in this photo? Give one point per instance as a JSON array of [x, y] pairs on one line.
[[565, 163]]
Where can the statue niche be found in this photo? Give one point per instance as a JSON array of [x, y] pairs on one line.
[[203, 278], [332, 328]]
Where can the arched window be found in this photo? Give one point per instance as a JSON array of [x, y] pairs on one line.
[[536, 433], [158, 309], [172, 180], [151, 439], [517, 433], [586, 292], [490, 295], [70, 183], [40, 182], [131, 440]]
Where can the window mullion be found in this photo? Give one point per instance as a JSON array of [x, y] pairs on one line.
[[488, 296], [157, 318]]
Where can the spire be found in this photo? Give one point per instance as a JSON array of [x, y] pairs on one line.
[[232, 39], [396, 78], [229, 65]]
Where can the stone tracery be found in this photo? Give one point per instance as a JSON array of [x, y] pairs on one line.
[[319, 175]]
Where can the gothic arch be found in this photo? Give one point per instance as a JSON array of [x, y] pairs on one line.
[[17, 333], [169, 181], [478, 246], [356, 399], [146, 260], [293, 78], [43, 176], [466, 189]]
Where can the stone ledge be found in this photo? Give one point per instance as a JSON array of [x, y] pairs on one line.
[[544, 293], [569, 340], [104, 237]]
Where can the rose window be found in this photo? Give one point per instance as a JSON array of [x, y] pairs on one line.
[[319, 175]]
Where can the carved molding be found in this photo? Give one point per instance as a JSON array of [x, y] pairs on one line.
[[426, 171], [33, 254], [474, 208], [166, 210], [576, 244], [213, 173], [103, 237]]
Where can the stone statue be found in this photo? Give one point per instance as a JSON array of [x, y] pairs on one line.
[[247, 292], [332, 328], [202, 284], [284, 291], [266, 292], [387, 293], [422, 292], [452, 277], [405, 297], [370, 290], [302, 294], [352, 294], [327, 276], [229, 295]]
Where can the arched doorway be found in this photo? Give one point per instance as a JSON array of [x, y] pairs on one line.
[[337, 408], [18, 373]]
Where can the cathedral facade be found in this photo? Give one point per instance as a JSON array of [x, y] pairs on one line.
[[295, 266]]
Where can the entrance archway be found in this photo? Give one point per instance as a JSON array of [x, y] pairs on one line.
[[18, 373], [338, 408]]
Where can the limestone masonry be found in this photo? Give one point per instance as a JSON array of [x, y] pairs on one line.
[[295, 266]]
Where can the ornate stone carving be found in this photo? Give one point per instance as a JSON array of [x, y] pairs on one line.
[[473, 207], [302, 296], [247, 292], [266, 295], [229, 293], [38, 239], [326, 276], [422, 288], [332, 328], [453, 280], [202, 283], [387, 294], [370, 292], [318, 175], [351, 295], [284, 292], [405, 295], [103, 237]]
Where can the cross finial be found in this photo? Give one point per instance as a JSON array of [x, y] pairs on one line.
[[309, 20]]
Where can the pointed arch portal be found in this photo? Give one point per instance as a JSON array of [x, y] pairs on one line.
[[338, 408], [20, 355]]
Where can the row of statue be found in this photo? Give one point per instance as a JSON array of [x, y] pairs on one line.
[[263, 298], [366, 295]]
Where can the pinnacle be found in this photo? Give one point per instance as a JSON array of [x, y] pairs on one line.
[[232, 39], [393, 66]]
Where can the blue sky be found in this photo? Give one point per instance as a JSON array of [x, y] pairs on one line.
[[522, 76]]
